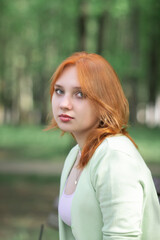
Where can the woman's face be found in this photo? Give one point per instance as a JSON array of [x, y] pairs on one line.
[[72, 111]]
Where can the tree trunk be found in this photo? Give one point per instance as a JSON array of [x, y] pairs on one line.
[[101, 29], [134, 48], [44, 100], [82, 32], [133, 99], [153, 70]]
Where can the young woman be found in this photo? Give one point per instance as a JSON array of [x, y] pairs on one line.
[[106, 189]]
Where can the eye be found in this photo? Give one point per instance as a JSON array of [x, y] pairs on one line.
[[58, 91], [79, 94]]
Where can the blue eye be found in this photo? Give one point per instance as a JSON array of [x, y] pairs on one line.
[[58, 91], [79, 94]]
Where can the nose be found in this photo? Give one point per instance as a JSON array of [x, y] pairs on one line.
[[66, 102]]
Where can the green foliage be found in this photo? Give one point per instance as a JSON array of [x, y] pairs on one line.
[[31, 143], [13, 179], [35, 36], [24, 234], [25, 204], [120, 8], [147, 140]]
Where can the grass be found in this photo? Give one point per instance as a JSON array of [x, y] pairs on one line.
[[148, 141], [31, 143], [25, 234], [13, 179], [25, 204], [27, 200]]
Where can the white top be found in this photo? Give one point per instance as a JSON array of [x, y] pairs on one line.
[[64, 207]]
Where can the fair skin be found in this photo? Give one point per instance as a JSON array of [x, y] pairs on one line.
[[73, 112]]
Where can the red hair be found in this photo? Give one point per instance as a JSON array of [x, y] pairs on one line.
[[101, 85]]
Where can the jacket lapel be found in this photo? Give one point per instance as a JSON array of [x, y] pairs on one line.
[[69, 162]]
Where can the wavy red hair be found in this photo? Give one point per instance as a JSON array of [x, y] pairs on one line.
[[101, 85]]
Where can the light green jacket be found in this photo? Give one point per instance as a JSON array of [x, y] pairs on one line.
[[115, 197]]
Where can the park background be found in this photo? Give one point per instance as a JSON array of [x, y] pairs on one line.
[[35, 36]]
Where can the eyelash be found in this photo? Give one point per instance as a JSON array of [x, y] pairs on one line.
[[59, 92], [79, 92]]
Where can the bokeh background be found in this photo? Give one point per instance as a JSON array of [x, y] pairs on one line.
[[35, 36]]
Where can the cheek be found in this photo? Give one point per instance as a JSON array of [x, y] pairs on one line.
[[91, 114], [53, 105]]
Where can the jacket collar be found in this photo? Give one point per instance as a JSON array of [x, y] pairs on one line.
[[69, 162]]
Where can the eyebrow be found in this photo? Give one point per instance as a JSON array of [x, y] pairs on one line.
[[76, 88]]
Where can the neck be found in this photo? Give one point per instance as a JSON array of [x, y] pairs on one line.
[[80, 144], [82, 137], [80, 141]]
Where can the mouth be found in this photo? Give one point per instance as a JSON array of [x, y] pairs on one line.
[[65, 117]]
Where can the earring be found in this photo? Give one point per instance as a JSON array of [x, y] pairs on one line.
[[101, 123]]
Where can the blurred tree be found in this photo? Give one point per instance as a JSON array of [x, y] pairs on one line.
[[153, 33], [150, 48], [35, 36]]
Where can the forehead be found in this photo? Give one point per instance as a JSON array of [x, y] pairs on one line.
[[69, 76]]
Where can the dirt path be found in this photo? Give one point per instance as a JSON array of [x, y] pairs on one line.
[[47, 168], [44, 168]]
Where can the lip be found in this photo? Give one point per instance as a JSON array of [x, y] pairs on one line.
[[65, 118]]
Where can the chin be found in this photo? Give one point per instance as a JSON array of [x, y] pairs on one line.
[[65, 129]]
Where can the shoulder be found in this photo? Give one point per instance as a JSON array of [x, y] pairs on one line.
[[122, 144], [117, 156], [117, 145]]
